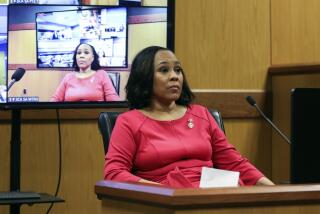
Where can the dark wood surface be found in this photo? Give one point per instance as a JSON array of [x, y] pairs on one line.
[[44, 198], [231, 104], [294, 69], [213, 197]]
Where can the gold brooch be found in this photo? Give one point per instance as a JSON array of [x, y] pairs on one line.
[[190, 124]]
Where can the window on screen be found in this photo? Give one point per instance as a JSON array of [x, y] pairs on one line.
[[61, 31]]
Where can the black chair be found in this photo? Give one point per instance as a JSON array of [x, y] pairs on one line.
[[107, 120]]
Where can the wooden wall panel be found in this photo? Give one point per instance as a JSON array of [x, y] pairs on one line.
[[82, 163], [252, 139], [5, 160], [44, 79], [295, 31], [154, 2], [17, 50], [102, 2], [224, 44], [154, 38], [281, 87]]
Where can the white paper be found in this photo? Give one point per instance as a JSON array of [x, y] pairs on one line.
[[211, 177]]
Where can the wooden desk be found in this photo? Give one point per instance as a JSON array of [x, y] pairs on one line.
[[136, 198]]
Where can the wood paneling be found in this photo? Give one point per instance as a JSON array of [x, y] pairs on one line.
[[291, 69], [102, 2], [281, 88], [20, 51], [252, 138], [154, 2], [140, 40], [295, 31], [82, 163], [5, 160], [223, 44], [231, 104]]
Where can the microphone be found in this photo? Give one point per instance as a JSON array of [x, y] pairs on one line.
[[16, 76], [252, 102]]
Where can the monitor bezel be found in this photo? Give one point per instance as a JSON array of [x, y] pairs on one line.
[[78, 105]]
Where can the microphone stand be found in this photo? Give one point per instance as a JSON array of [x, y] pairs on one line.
[[271, 123]]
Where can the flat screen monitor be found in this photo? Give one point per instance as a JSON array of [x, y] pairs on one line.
[[305, 117], [32, 30]]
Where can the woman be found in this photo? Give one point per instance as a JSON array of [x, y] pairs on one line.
[[165, 139], [89, 82]]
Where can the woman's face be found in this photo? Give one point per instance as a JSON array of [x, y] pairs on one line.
[[168, 78], [84, 57]]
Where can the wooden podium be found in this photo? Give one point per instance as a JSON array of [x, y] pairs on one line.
[[131, 198]]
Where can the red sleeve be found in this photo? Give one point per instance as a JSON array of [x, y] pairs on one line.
[[225, 156], [59, 94], [121, 151], [110, 93]]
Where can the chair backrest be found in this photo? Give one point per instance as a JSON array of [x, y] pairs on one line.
[[217, 116], [115, 79], [107, 120], [106, 123]]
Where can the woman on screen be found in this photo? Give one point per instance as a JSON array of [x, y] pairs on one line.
[[89, 82], [165, 139]]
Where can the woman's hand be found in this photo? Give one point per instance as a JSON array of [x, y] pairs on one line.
[[148, 182], [264, 181]]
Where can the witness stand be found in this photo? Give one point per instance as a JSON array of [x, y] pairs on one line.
[[132, 198], [15, 154]]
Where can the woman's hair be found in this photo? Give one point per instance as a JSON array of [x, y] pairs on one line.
[[95, 65], [139, 87]]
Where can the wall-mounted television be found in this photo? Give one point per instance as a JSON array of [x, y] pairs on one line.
[[59, 32], [31, 28]]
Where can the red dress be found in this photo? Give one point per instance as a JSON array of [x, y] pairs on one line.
[[170, 152], [97, 87]]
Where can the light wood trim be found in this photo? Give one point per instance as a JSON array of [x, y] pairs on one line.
[[212, 197]]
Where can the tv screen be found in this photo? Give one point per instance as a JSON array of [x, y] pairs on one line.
[[35, 32], [59, 33], [305, 116]]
